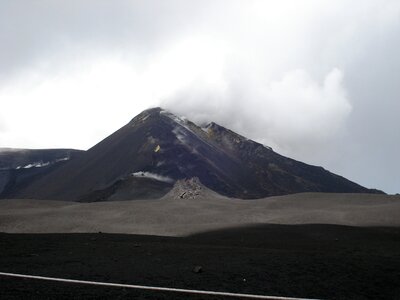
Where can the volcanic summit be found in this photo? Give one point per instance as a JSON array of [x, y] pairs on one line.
[[147, 156]]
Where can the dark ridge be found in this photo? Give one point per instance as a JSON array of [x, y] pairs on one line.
[[20, 167]]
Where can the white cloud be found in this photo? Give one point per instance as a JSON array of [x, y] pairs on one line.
[[93, 97], [293, 114]]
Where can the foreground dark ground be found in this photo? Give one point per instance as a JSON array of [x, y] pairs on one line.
[[315, 261]]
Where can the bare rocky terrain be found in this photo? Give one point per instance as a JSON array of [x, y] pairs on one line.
[[190, 208], [307, 261], [310, 245]]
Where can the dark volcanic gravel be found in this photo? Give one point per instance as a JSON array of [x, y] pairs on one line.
[[315, 261]]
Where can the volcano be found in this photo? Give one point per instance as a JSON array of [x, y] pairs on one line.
[[147, 156]]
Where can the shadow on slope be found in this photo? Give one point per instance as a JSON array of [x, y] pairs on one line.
[[315, 261]]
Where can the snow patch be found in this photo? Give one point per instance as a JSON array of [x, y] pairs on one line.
[[41, 164], [160, 163], [145, 118], [34, 165], [153, 176], [62, 159], [180, 120], [180, 134], [12, 150]]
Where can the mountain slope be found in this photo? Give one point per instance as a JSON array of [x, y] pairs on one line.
[[144, 158], [19, 167]]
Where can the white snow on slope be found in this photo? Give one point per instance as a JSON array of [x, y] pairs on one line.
[[180, 134], [153, 176], [41, 164], [62, 159], [34, 165], [12, 150], [180, 120], [179, 131]]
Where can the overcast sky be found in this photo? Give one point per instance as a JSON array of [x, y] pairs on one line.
[[319, 81]]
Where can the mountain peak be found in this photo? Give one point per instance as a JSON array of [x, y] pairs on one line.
[[157, 113], [152, 110], [159, 143], [144, 115]]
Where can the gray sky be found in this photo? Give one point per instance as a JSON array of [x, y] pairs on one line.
[[316, 80]]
